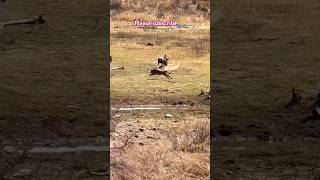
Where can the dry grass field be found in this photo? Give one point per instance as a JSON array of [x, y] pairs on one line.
[[158, 148], [148, 144]]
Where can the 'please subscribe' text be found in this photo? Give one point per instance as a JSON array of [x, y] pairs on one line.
[[154, 23]]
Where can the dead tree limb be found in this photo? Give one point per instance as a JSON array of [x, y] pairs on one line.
[[35, 20], [126, 142], [254, 40], [117, 68], [99, 173]]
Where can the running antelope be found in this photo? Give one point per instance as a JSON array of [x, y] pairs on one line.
[[162, 68], [157, 71]]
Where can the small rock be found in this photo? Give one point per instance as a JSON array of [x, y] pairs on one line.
[[72, 107], [168, 116], [231, 161], [180, 102], [116, 116], [113, 12]]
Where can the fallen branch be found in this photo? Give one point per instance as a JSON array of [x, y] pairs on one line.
[[254, 40], [99, 173], [35, 20], [117, 68], [126, 142]]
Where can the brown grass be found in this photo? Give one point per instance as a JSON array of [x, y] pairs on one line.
[[168, 5], [160, 10], [182, 153], [190, 138]]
